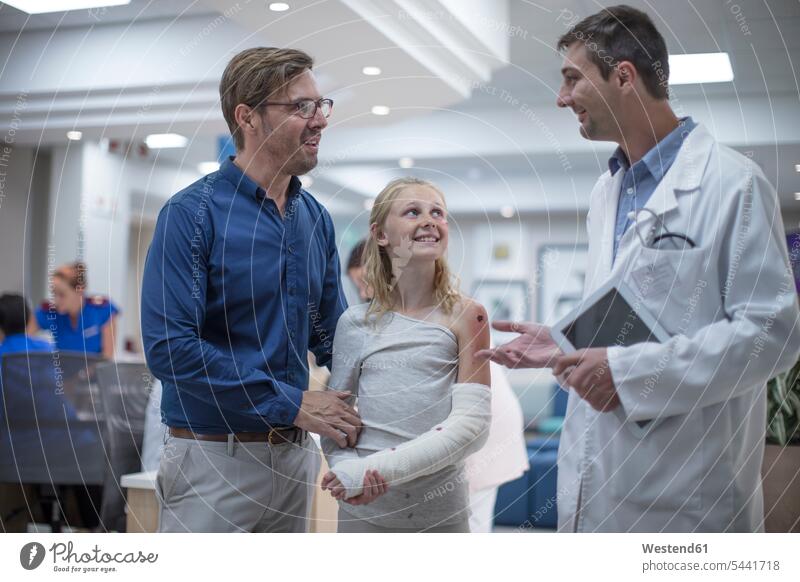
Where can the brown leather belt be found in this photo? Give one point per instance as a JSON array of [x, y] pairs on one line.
[[276, 436]]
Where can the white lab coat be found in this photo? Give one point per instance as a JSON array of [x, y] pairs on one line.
[[731, 308]]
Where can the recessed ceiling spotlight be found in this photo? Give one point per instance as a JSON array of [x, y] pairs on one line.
[[406, 162], [74, 135], [507, 211], [380, 110], [368, 204], [797, 195], [279, 6], [797, 167], [371, 71], [306, 180]]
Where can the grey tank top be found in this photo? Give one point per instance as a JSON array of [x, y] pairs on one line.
[[404, 369]]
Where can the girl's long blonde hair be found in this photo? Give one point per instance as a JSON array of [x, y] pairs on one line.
[[378, 268]]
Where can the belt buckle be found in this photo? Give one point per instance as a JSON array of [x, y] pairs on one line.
[[277, 433], [297, 435]]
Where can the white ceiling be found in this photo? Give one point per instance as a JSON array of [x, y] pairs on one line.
[[13, 20], [153, 66]]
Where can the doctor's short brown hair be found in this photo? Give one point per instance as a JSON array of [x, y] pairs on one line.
[[253, 76], [622, 33]]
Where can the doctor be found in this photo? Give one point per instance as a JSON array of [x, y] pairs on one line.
[[666, 436]]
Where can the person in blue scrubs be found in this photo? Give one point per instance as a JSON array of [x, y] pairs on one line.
[[78, 322]]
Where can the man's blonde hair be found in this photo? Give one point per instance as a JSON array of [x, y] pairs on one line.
[[253, 76], [379, 271]]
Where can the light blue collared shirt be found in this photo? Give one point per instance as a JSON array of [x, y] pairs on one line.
[[642, 179]]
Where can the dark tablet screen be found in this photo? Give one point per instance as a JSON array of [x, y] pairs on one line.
[[610, 321]]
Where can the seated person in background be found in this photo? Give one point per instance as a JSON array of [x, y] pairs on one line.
[[15, 317], [15, 321], [355, 270], [78, 322]]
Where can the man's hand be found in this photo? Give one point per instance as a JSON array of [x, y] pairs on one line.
[[534, 348], [588, 373], [374, 486], [327, 414]]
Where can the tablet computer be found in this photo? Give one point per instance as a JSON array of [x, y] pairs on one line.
[[611, 316]]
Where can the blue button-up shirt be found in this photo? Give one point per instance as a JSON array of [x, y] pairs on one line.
[[21, 343], [233, 297], [642, 179]]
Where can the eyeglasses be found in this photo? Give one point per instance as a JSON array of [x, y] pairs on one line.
[[307, 108]]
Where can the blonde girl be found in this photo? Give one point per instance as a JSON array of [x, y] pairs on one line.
[[408, 359]]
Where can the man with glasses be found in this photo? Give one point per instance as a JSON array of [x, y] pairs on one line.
[[241, 280]]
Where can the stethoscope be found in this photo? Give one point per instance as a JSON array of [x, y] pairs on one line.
[[659, 225]]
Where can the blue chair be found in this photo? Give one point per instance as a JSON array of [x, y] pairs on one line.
[[511, 506], [543, 478], [530, 501]]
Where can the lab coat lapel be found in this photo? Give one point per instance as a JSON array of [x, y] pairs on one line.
[[662, 201], [601, 234], [683, 176]]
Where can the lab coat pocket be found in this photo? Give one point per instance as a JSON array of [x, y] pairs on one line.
[[670, 284], [660, 470]]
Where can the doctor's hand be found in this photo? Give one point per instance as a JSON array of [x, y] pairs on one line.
[[534, 348], [588, 373]]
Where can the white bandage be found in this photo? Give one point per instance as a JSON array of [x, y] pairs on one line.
[[462, 433]]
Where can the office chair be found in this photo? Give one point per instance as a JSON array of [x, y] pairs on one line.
[[50, 427]]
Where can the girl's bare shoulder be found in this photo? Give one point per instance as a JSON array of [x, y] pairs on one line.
[[469, 318]]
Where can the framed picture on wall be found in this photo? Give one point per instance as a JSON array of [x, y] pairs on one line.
[[503, 299], [560, 274]]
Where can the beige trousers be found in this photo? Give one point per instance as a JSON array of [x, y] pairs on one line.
[[205, 486]]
